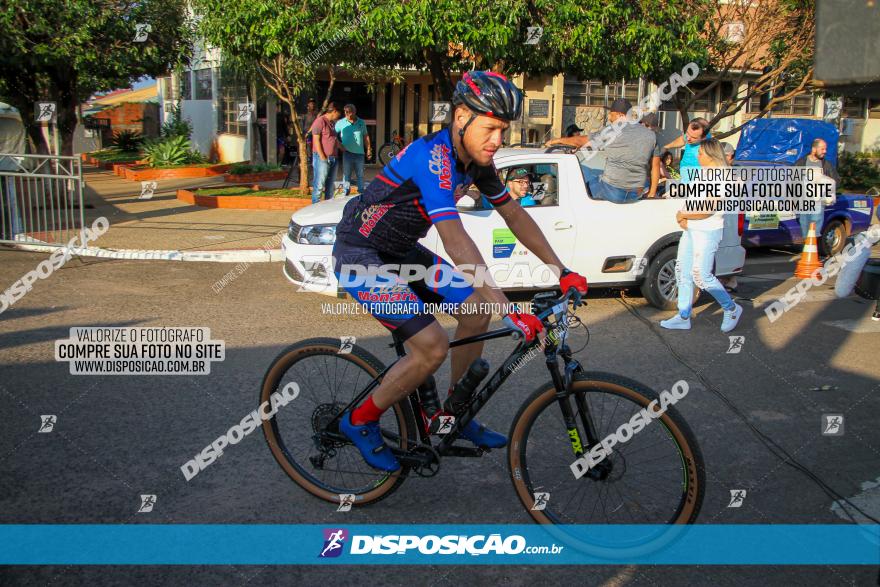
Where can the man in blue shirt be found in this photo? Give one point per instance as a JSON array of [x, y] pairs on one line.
[[353, 135]]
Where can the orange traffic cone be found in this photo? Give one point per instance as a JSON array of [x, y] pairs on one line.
[[809, 260]]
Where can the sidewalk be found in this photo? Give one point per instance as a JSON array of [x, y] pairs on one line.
[[165, 223]]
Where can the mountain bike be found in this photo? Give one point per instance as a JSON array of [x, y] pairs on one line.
[[656, 477], [391, 148]]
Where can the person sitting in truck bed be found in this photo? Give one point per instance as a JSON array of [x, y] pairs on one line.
[[627, 158]]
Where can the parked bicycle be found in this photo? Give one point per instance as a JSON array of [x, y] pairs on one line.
[[656, 477], [391, 148]]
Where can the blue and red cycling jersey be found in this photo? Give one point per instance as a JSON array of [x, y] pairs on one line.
[[418, 188]]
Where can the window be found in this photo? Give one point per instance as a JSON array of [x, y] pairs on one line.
[[853, 107], [705, 103], [874, 108], [232, 93], [800, 105], [167, 90], [595, 93], [185, 85], [536, 184], [578, 93], [203, 85]]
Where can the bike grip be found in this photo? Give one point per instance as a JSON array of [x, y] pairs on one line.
[[575, 296]]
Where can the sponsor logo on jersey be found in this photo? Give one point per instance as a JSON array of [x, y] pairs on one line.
[[441, 166], [396, 293], [371, 216]]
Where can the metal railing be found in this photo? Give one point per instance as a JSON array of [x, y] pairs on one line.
[[41, 198]]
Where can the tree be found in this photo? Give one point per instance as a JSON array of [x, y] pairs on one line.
[[774, 38], [66, 51], [285, 44], [592, 39]]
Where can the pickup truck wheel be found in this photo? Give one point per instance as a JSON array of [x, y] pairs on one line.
[[659, 287], [833, 238]]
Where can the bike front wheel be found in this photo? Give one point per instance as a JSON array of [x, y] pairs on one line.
[[328, 379], [655, 477]]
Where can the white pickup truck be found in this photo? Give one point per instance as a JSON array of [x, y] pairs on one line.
[[612, 245]]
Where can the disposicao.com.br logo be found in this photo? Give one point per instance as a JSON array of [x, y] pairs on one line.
[[476, 545]]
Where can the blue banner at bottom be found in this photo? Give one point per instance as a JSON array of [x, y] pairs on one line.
[[145, 544]]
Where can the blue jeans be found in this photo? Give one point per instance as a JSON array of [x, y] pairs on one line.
[[325, 176], [605, 191], [353, 162], [693, 266], [817, 217]]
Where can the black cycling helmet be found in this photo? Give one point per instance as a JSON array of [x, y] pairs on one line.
[[488, 93]]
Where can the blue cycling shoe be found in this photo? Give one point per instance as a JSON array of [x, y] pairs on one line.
[[368, 439], [482, 436]]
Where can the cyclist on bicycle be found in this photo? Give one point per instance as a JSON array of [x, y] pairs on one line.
[[417, 189]]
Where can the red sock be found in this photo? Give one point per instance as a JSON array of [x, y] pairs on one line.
[[366, 412]]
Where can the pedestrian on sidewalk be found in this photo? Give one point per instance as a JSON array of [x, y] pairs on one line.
[[325, 150], [355, 141], [696, 254]]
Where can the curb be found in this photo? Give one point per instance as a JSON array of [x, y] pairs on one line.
[[229, 256]]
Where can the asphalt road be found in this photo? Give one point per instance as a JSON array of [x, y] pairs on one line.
[[117, 437]]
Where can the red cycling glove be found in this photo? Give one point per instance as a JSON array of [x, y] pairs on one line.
[[527, 324], [570, 279]]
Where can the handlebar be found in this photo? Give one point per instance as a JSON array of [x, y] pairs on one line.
[[544, 305]]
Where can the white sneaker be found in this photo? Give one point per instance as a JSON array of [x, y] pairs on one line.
[[731, 318], [676, 323]]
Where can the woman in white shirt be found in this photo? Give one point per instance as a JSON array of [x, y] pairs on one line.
[[696, 255]]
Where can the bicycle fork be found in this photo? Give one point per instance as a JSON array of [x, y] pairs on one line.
[[563, 384]]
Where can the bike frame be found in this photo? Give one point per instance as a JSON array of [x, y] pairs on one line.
[[561, 381]]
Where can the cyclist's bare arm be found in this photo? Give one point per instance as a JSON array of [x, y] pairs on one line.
[[526, 230], [465, 255]]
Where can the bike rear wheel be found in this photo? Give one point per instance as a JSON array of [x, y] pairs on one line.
[[328, 380], [656, 477], [387, 151]]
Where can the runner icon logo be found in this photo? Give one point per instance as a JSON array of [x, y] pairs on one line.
[[832, 424], [147, 504], [346, 500], [737, 496], [47, 423], [736, 344], [541, 500], [334, 539], [346, 343]]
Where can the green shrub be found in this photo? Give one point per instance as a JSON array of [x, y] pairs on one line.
[[176, 126], [127, 141], [246, 168], [857, 173], [171, 151]]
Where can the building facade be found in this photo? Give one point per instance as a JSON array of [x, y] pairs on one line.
[[211, 103]]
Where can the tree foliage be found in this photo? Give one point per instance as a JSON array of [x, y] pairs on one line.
[[775, 39], [65, 50]]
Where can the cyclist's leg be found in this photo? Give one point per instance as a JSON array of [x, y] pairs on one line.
[[443, 284], [471, 322], [397, 307]]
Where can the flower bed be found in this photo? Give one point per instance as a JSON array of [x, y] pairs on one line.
[[245, 198], [110, 161], [144, 173], [245, 172]]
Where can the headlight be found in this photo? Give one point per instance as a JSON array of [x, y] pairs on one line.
[[317, 234], [293, 231]]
